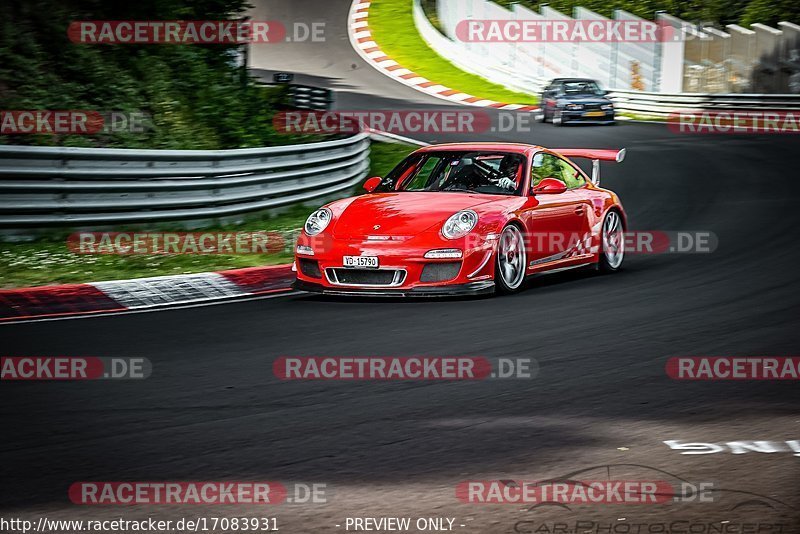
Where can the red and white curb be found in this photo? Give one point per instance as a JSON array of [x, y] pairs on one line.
[[363, 43], [142, 293]]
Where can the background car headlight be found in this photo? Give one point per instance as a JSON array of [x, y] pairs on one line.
[[318, 221], [607, 106], [459, 224]]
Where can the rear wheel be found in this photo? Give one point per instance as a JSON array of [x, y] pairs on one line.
[[511, 261], [612, 243]]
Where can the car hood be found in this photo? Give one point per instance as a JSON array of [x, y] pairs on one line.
[[403, 214]]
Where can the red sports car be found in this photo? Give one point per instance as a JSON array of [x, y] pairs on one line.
[[464, 218]]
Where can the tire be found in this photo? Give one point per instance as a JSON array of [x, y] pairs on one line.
[[612, 250], [557, 118], [510, 261]]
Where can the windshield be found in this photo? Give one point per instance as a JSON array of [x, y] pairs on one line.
[[498, 173], [582, 87]]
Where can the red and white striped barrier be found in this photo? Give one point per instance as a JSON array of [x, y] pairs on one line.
[[141, 293], [368, 49]]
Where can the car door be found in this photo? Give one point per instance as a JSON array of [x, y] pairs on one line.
[[576, 183], [552, 220]]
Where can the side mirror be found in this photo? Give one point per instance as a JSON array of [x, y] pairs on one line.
[[550, 186], [372, 183]]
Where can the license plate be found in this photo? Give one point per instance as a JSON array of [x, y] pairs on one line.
[[370, 262], [593, 114]]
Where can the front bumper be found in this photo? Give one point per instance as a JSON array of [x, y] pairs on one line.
[[403, 268], [581, 116], [484, 287]]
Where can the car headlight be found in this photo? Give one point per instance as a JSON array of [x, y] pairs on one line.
[[574, 106], [607, 106], [318, 221], [459, 224]]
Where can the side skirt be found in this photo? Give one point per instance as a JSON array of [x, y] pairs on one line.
[[562, 269]]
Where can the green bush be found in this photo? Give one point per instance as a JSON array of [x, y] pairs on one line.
[[194, 95]]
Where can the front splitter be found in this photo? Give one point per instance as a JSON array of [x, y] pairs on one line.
[[485, 287]]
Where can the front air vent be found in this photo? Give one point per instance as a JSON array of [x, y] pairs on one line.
[[440, 272], [310, 268], [366, 277]]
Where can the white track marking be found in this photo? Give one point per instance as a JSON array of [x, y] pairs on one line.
[[100, 315]]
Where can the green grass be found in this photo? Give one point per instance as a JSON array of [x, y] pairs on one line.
[[49, 261], [642, 116], [392, 25]]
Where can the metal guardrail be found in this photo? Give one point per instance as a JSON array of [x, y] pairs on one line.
[[74, 187], [662, 104], [307, 97]]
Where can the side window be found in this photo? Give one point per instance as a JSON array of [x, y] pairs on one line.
[[570, 175], [545, 166]]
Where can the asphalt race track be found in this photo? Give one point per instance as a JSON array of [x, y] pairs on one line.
[[212, 408]]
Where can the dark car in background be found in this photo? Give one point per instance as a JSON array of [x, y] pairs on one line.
[[567, 100]]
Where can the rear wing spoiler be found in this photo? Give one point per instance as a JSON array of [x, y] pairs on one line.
[[596, 155]]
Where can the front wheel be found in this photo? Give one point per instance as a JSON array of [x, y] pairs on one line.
[[612, 243], [511, 261]]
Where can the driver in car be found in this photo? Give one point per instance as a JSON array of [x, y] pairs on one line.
[[471, 173], [508, 171]]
